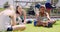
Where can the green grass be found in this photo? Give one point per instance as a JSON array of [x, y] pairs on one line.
[[31, 28], [1, 9]]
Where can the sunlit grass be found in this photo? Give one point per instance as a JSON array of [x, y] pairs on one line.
[[1, 9], [31, 28]]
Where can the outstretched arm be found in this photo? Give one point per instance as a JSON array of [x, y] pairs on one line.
[[2, 12], [48, 16], [24, 16], [37, 14], [13, 17]]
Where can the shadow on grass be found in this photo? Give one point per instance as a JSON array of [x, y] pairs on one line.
[[44, 27], [57, 23]]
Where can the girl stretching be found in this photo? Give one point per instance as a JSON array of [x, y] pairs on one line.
[[8, 20], [43, 17]]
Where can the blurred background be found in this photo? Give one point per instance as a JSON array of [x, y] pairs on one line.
[[27, 4]]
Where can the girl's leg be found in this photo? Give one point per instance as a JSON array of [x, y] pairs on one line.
[[52, 21], [19, 27], [45, 23], [39, 23]]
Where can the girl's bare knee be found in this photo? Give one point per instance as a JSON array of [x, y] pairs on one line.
[[23, 28], [19, 27]]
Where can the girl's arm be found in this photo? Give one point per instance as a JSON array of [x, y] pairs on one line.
[[13, 18], [24, 16], [37, 14], [2, 12], [48, 16]]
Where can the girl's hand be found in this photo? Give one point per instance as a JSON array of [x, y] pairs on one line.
[[24, 22]]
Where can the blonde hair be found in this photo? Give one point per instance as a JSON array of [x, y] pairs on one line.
[[11, 7]]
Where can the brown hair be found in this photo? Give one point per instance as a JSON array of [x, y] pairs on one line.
[[17, 10]]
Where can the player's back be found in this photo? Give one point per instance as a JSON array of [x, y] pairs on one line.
[[5, 20]]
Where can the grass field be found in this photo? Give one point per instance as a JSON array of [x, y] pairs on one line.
[[31, 28], [1, 9]]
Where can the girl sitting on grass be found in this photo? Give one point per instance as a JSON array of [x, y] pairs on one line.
[[20, 15], [43, 17], [8, 20]]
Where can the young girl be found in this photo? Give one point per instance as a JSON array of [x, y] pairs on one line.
[[8, 20], [21, 14], [43, 17]]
